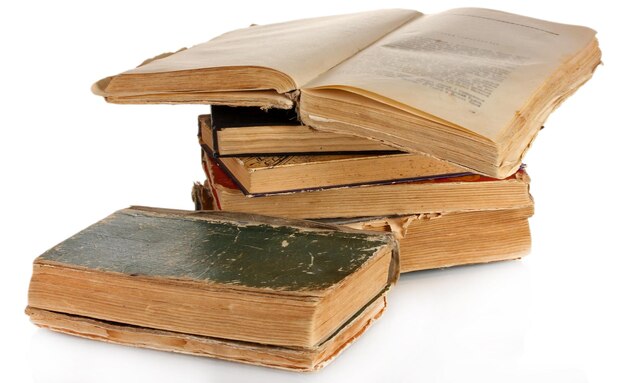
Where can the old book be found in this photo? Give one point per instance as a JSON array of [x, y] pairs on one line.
[[281, 293], [441, 195], [279, 174], [248, 130], [436, 240], [471, 86]]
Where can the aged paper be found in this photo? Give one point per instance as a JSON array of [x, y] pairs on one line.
[[470, 67], [302, 49]]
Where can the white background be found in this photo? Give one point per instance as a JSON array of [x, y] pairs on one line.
[[69, 159]]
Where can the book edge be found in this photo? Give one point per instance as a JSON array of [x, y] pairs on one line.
[[178, 342]]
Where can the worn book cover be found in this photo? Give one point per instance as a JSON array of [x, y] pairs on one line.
[[269, 291]]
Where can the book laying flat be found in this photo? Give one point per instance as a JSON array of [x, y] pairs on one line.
[[470, 86], [248, 130], [244, 352], [442, 195], [279, 174], [436, 240], [262, 290]]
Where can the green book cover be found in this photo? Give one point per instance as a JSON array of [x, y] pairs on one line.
[[220, 248], [235, 286]]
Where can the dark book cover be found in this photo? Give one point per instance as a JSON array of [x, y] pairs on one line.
[[214, 247], [224, 116], [199, 282]]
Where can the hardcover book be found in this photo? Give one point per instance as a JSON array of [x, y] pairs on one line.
[[275, 292], [436, 240], [470, 86], [462, 193], [251, 130], [286, 173]]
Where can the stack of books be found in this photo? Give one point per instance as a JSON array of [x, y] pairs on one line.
[[377, 143], [442, 214]]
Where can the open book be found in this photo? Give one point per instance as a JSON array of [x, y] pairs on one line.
[[470, 86]]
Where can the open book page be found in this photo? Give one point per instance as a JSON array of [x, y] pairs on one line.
[[302, 49], [470, 67]]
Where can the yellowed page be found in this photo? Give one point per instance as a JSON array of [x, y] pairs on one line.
[[302, 49], [471, 67]]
